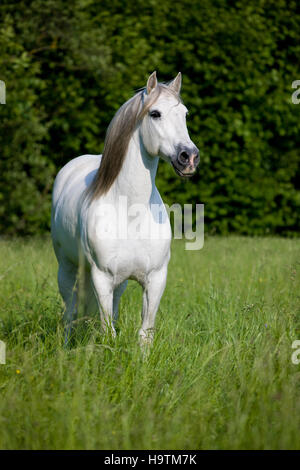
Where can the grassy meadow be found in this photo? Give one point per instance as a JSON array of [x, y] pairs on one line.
[[219, 375]]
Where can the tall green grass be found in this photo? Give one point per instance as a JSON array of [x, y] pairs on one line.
[[219, 374]]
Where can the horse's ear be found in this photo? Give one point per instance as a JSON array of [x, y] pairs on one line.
[[175, 84], [151, 83]]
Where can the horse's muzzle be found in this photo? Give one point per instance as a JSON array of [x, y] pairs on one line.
[[186, 161]]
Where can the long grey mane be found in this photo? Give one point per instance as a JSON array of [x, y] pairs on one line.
[[118, 135]]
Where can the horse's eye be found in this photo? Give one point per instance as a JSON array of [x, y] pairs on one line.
[[155, 114]]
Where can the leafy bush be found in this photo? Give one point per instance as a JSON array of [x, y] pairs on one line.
[[68, 68]]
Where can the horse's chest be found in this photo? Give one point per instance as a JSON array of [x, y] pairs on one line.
[[138, 259], [133, 253]]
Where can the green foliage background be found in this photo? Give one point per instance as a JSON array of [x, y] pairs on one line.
[[68, 66]]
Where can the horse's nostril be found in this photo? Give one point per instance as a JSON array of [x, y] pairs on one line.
[[184, 157]]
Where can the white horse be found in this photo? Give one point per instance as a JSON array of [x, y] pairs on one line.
[[150, 125]]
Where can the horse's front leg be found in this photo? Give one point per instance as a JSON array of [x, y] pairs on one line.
[[153, 291], [103, 288]]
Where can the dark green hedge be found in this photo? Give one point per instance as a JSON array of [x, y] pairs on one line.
[[68, 66]]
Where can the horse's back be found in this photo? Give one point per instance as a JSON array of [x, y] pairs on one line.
[[83, 167], [69, 186]]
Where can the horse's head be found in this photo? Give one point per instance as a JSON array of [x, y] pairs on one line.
[[163, 127]]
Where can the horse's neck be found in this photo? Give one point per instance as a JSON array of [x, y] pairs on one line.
[[136, 179]]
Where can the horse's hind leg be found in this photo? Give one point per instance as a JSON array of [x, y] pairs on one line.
[[67, 273], [116, 299], [90, 301]]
